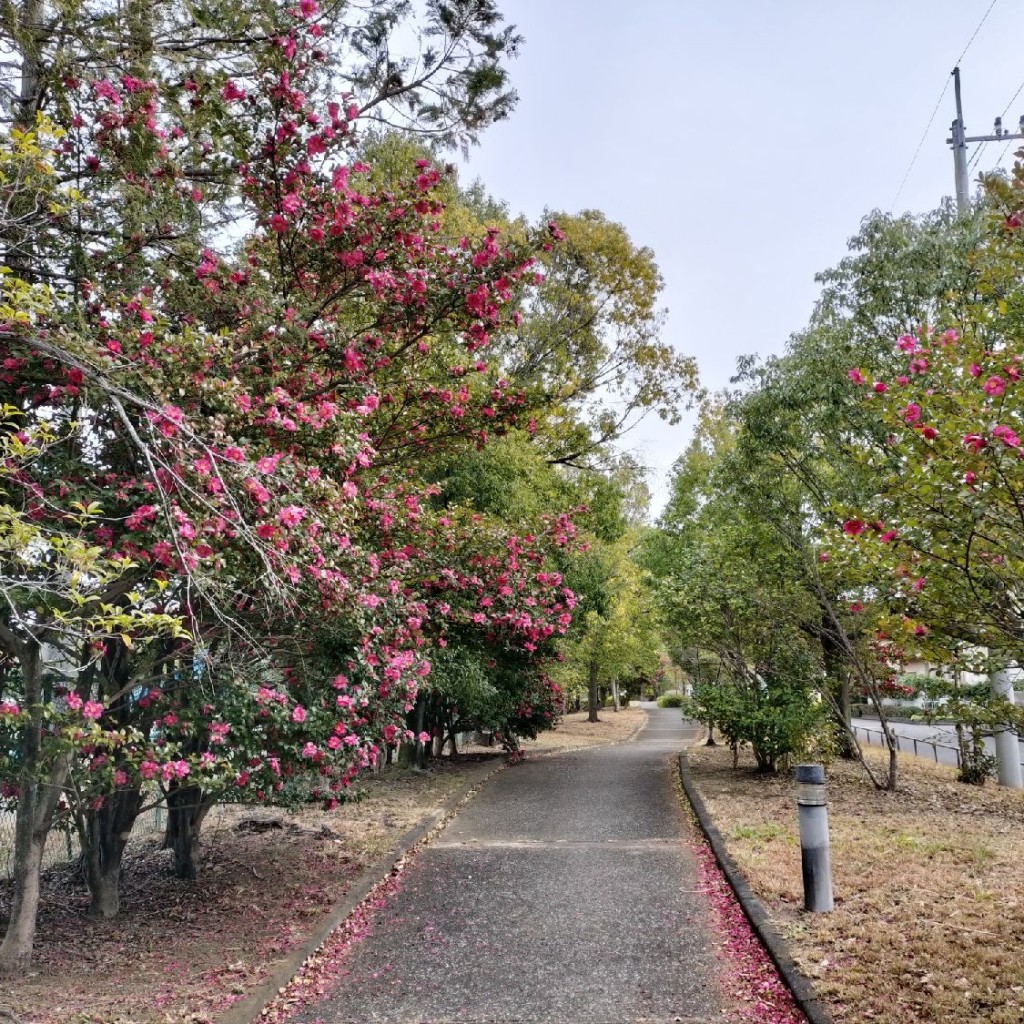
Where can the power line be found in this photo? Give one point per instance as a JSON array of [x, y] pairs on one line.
[[938, 103], [984, 18], [917, 152], [1020, 89]]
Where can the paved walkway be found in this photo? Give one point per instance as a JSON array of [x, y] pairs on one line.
[[562, 893]]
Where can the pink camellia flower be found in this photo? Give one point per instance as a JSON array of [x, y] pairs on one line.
[[918, 585], [73, 701], [969, 478], [291, 515], [994, 386], [298, 713], [120, 777], [390, 732], [912, 412], [334, 742], [232, 92], [9, 707], [824, 556], [974, 370], [278, 224], [881, 387], [1007, 436], [906, 343], [888, 536], [310, 750], [974, 442], [929, 433], [856, 376], [149, 770], [92, 710], [853, 527], [423, 737]]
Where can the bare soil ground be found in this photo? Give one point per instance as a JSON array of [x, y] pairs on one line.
[[928, 923], [182, 951]]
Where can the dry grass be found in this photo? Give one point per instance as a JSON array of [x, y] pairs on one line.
[[928, 923]]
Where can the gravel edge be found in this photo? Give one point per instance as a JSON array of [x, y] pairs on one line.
[[803, 992]]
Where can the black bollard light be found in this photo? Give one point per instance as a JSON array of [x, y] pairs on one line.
[[814, 853]]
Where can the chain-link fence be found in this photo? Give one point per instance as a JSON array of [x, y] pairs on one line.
[[62, 846]]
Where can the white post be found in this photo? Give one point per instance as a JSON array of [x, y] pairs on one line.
[[1007, 745]]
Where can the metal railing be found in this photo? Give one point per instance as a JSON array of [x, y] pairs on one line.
[[902, 741]]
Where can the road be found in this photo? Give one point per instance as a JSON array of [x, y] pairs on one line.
[[943, 736]]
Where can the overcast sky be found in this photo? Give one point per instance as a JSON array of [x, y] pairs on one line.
[[743, 141]]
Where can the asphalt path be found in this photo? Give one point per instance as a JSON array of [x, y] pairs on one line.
[[564, 892]]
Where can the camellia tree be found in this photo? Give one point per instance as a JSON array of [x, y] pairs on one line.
[[226, 435], [945, 523]]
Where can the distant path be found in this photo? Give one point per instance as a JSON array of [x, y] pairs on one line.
[[564, 892]]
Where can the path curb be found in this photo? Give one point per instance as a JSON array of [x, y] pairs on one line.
[[803, 992], [250, 1008]]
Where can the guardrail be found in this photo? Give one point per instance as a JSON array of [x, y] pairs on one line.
[[902, 741]]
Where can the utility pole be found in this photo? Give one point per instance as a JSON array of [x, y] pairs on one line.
[[958, 142]]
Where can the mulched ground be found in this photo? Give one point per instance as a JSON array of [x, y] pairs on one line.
[[928, 924], [183, 951]]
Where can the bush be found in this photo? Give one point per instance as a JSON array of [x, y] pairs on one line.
[[777, 718], [670, 700]]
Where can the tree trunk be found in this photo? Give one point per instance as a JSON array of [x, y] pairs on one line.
[[615, 695], [846, 725], [186, 810], [106, 835], [16, 949], [710, 741], [890, 783], [37, 801], [421, 748], [31, 70], [592, 694]]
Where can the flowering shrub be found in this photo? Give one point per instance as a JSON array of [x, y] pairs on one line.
[[224, 574]]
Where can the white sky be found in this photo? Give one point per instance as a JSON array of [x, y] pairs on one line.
[[742, 141]]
